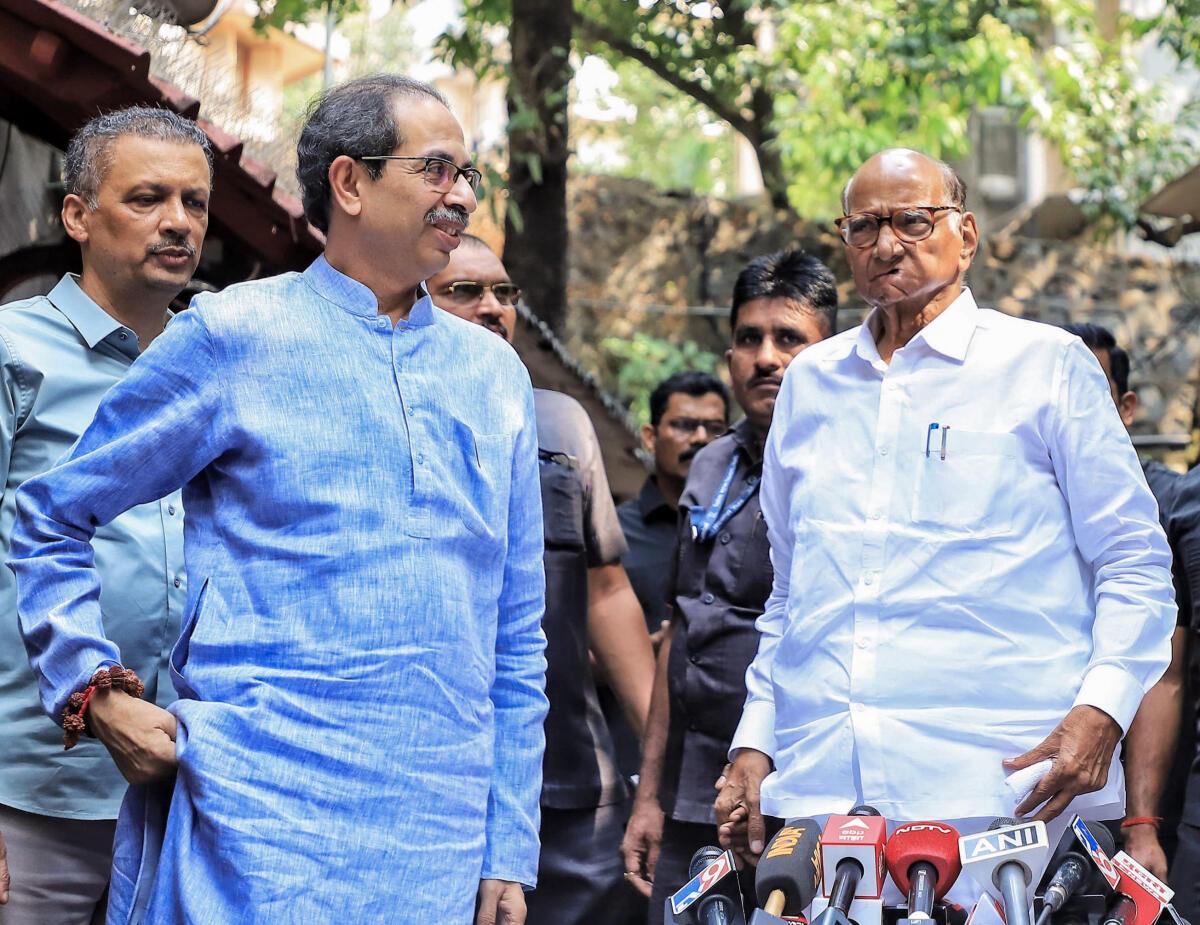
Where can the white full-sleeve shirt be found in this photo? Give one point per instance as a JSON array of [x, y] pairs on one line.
[[933, 616]]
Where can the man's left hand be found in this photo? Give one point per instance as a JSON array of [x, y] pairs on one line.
[[501, 902], [1141, 844], [1082, 747]]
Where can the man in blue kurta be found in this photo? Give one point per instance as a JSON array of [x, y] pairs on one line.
[[361, 663]]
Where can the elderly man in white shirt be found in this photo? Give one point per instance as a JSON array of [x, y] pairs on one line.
[[970, 577]]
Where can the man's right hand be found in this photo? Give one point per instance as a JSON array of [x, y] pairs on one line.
[[139, 735], [659, 634], [738, 799], [639, 848], [4, 879]]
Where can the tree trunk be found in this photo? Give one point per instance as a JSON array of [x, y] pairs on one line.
[[535, 239], [770, 164]]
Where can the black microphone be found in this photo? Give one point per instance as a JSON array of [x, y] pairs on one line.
[[715, 909], [1072, 869]]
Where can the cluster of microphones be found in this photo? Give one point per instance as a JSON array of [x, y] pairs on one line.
[[836, 876]]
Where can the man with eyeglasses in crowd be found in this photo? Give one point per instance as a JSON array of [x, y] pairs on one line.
[[361, 666], [688, 410], [782, 304], [971, 579], [589, 605]]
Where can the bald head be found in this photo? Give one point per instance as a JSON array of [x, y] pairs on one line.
[[898, 161]]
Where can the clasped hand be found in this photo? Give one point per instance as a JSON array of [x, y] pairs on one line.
[[139, 735]]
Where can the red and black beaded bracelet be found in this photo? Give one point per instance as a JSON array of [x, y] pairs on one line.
[[75, 713]]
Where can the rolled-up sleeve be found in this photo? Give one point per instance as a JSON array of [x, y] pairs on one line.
[[153, 431], [518, 690], [1116, 525]]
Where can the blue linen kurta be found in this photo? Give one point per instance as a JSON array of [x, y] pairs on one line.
[[360, 667]]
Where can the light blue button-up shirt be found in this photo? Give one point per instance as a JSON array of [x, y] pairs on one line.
[[59, 355], [361, 664], [964, 548]]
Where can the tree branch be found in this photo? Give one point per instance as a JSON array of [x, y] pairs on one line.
[[598, 33]]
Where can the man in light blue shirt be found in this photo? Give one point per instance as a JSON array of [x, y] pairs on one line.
[[138, 182], [360, 671]]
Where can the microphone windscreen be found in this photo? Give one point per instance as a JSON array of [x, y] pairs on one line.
[[862, 809], [791, 864], [933, 842], [702, 858]]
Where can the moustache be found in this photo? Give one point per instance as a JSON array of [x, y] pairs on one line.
[[182, 245], [690, 453], [764, 380], [448, 214]]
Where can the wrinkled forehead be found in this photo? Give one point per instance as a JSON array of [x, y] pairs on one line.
[[891, 182]]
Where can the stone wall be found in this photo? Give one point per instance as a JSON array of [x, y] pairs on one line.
[[641, 257]]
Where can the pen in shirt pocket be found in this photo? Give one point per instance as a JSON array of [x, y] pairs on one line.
[[945, 429]]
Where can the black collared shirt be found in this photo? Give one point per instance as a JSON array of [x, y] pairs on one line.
[[649, 524], [720, 589]]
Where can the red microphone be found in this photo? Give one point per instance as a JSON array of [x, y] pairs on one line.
[[922, 858], [1140, 897]]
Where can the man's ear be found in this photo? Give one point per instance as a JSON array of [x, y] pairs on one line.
[[729, 360], [344, 181], [1127, 406], [648, 438], [75, 215], [970, 236]]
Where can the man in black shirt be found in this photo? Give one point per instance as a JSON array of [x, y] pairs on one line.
[[1152, 790], [589, 604], [687, 412], [781, 303]]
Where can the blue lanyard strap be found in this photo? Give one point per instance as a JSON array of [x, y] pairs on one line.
[[707, 524]]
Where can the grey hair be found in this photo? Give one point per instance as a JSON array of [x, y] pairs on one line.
[[354, 119], [89, 155], [955, 188]]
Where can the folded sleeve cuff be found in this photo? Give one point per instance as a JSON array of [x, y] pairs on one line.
[[756, 729], [1113, 690]]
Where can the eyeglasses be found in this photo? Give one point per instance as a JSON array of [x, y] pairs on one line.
[[439, 173], [465, 291], [685, 427], [910, 224]]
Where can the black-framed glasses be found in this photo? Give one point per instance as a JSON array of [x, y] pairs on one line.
[[685, 427], [438, 172], [466, 291], [910, 224]]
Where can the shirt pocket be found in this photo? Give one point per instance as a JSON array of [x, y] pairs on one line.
[[182, 648], [562, 505], [752, 582], [972, 487], [487, 477]]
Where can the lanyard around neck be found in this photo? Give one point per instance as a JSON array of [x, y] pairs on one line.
[[708, 523]]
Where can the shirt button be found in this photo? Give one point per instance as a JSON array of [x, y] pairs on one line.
[[708, 598], [123, 336], [725, 537], [171, 510], [178, 582], [420, 459], [864, 642], [883, 451], [868, 578], [694, 659], [875, 515]]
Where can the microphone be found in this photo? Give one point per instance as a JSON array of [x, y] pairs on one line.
[[1009, 856], [852, 862], [712, 895], [922, 858], [1073, 865], [789, 872], [1141, 896]]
